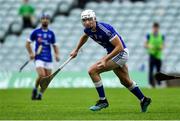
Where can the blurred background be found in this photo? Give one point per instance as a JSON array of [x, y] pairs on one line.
[[133, 19]]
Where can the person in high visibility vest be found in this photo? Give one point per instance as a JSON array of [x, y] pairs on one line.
[[154, 45]]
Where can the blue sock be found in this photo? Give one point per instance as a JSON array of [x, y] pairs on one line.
[[100, 90], [136, 91], [35, 89], [40, 94]]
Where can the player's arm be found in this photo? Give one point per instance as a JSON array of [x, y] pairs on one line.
[[118, 48], [82, 41], [55, 46], [31, 39], [163, 44], [56, 52], [29, 49], [146, 43]]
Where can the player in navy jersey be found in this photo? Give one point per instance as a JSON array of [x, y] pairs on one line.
[[116, 58], [43, 38]]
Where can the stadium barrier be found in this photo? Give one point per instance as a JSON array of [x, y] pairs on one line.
[[66, 79]]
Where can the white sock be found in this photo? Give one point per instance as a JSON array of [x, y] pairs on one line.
[[142, 99], [132, 86], [98, 84]]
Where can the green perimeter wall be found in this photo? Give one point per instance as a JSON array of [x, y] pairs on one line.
[[67, 79]]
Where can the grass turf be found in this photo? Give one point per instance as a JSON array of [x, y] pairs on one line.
[[73, 104]]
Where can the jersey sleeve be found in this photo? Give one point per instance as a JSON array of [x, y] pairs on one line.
[[85, 31], [163, 38], [112, 34], [147, 37], [32, 37], [109, 30]]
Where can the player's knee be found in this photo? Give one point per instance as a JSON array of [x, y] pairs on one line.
[[92, 71]]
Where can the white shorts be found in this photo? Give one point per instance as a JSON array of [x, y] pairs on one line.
[[43, 64], [121, 58]]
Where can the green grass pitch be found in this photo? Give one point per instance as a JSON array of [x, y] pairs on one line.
[[73, 104]]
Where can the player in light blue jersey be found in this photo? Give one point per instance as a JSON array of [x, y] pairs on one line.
[[43, 38], [116, 58]]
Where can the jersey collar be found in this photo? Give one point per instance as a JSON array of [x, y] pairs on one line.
[[96, 27], [44, 30]]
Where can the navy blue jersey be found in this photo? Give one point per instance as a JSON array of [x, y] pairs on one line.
[[103, 35], [45, 38]]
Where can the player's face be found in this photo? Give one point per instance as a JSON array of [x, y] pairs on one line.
[[88, 22], [45, 22], [155, 29]]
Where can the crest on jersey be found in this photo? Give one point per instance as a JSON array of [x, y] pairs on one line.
[[44, 35], [49, 36]]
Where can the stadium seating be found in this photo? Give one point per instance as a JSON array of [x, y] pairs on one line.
[[132, 20]]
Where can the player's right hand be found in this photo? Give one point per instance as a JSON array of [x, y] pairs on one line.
[[74, 53], [31, 56]]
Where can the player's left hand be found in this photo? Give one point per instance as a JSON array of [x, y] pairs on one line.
[[101, 64]]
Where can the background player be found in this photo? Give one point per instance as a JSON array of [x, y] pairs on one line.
[[155, 46], [116, 58], [43, 38]]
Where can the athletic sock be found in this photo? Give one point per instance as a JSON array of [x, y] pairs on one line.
[[40, 94], [35, 89], [100, 89], [136, 91]]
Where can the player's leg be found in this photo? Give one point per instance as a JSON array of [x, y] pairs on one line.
[[122, 72], [47, 71], [158, 68], [94, 73], [123, 75], [151, 68], [41, 73]]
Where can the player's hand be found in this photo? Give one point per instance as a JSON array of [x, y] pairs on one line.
[[101, 64], [74, 53], [31, 56], [57, 58], [150, 46]]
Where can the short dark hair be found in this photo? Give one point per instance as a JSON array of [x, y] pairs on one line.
[[156, 25]]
